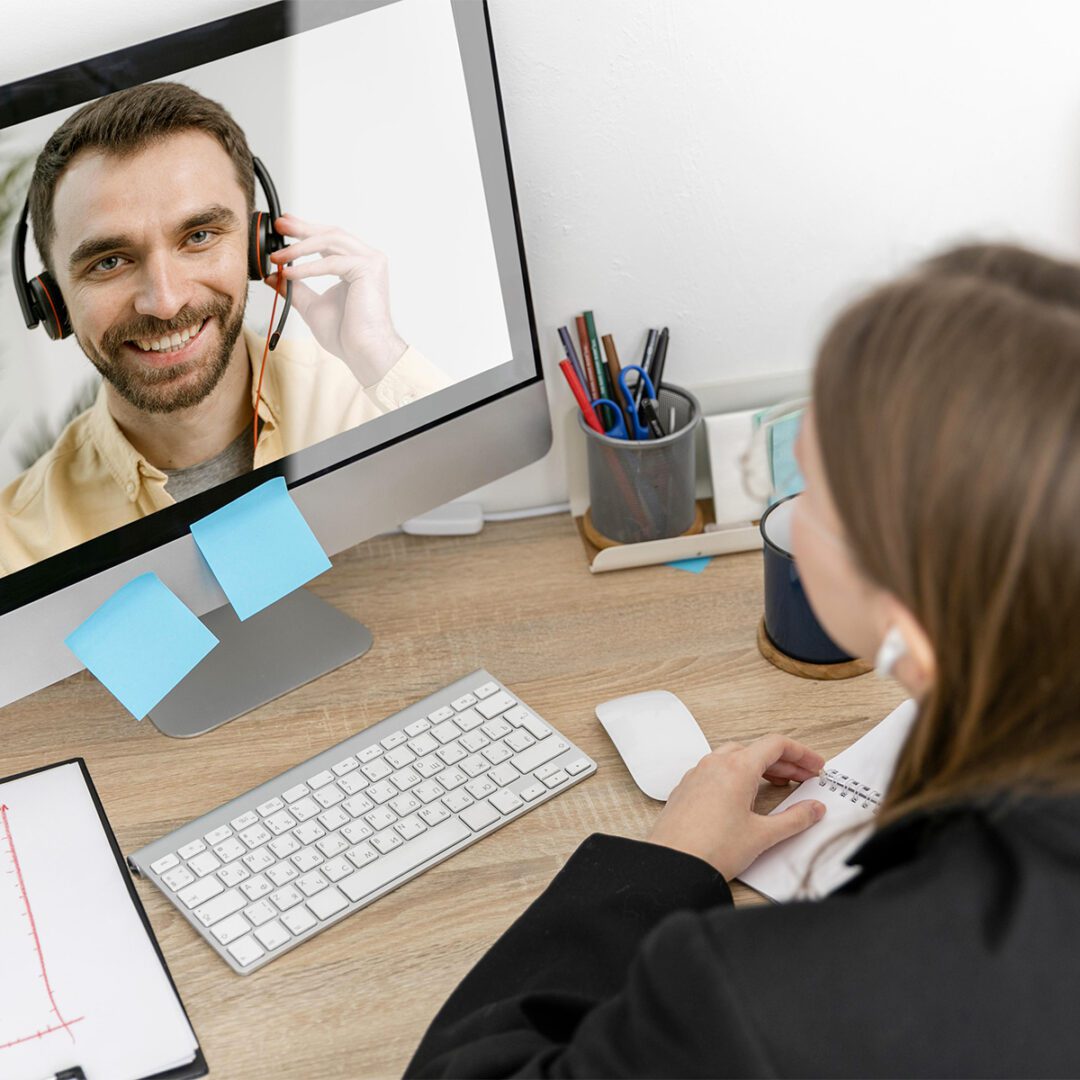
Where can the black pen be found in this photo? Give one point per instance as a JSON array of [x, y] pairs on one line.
[[651, 413], [656, 373], [646, 360]]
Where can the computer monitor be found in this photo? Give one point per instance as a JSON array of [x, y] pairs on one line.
[[381, 118]]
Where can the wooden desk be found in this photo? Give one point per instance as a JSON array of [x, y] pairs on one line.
[[518, 600]]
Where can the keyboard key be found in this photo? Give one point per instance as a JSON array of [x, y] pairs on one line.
[[404, 804], [417, 726], [257, 860], [361, 855], [441, 714], [446, 732], [405, 779], [429, 766], [334, 819], [480, 788], [327, 903], [203, 864], [305, 808], [215, 836], [578, 766], [533, 791], [463, 702], [434, 813], [309, 832], [369, 753], [503, 774], [428, 791], [452, 778], [255, 887], [233, 874], [357, 805], [491, 706], [423, 744], [261, 911], [399, 757], [246, 950], [189, 851], [282, 874], [409, 827], [557, 778], [517, 715], [393, 740], [299, 920], [273, 935], [280, 822], [353, 783], [473, 741], [166, 862], [284, 845], [230, 849], [519, 740], [332, 845], [486, 690], [497, 753], [230, 929], [311, 883], [201, 891], [381, 817], [295, 793], [329, 796], [452, 754], [271, 806], [287, 897], [376, 770], [337, 868], [381, 792], [245, 820], [255, 836], [386, 841], [536, 727], [457, 801], [468, 720], [345, 766], [392, 866], [320, 779], [506, 802], [357, 831], [480, 815], [475, 765], [178, 877], [547, 770], [306, 859], [537, 755], [496, 729]]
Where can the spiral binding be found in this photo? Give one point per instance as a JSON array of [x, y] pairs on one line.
[[849, 788]]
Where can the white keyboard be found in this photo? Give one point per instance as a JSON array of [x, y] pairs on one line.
[[289, 858]]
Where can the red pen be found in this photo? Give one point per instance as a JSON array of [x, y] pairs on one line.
[[582, 398]]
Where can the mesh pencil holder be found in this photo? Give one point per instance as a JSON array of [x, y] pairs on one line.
[[644, 490]]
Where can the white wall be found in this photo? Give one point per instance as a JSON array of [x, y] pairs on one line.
[[736, 169]]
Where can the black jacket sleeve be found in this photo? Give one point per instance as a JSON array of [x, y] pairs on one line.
[[593, 979]]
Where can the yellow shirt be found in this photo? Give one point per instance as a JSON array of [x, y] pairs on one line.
[[93, 479]]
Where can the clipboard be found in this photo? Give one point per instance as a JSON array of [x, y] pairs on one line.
[[197, 1067]]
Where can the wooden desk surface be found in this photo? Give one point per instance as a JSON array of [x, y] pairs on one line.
[[518, 600]]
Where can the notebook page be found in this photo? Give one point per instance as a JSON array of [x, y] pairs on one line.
[[80, 982], [852, 779]]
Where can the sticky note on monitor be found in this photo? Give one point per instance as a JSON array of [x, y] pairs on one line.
[[140, 643], [260, 548], [786, 477]]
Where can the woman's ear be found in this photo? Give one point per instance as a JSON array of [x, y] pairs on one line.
[[916, 668]]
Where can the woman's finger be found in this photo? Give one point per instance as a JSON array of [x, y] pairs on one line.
[[771, 749]]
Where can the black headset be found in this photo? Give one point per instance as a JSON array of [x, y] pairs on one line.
[[42, 302]]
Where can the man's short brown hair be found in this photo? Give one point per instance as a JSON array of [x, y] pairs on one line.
[[124, 123]]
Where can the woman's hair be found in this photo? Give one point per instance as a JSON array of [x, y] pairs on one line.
[[947, 408]]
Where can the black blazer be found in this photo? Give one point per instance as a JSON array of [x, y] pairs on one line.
[[955, 952]]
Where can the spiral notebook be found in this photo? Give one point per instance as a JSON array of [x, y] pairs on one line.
[[851, 786], [83, 983]]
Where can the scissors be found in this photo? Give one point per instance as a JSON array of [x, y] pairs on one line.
[[618, 428], [640, 430]]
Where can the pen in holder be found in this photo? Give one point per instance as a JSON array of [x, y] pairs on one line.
[[643, 489]]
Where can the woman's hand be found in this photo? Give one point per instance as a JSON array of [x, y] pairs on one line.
[[711, 813]]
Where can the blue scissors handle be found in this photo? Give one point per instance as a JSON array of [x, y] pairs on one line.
[[640, 430], [617, 429]]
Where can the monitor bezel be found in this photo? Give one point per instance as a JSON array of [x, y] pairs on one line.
[[83, 81]]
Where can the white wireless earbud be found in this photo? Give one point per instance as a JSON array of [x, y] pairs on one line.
[[892, 648]]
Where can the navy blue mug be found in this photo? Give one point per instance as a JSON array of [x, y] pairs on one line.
[[790, 622]]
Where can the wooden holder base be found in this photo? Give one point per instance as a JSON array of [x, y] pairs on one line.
[[600, 541], [846, 670]]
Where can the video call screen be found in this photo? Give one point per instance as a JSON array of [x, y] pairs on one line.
[[366, 129]]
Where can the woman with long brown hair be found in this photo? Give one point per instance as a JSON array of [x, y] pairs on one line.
[[938, 530]]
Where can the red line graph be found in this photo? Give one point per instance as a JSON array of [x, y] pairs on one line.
[[64, 1025]]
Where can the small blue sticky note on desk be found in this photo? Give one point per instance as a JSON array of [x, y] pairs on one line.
[[260, 548], [140, 643], [695, 566]]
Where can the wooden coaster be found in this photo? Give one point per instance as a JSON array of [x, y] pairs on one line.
[[599, 540], [805, 670]]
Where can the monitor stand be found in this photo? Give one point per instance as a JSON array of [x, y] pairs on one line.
[[284, 646]]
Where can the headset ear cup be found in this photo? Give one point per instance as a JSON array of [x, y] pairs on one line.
[[262, 241], [50, 306]]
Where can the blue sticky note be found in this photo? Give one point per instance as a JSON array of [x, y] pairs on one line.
[[695, 566], [140, 643], [260, 548], [786, 478]]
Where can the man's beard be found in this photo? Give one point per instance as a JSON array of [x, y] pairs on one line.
[[169, 389]]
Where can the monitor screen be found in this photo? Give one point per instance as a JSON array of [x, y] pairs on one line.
[[163, 402]]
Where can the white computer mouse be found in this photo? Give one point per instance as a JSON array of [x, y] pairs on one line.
[[656, 735]]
